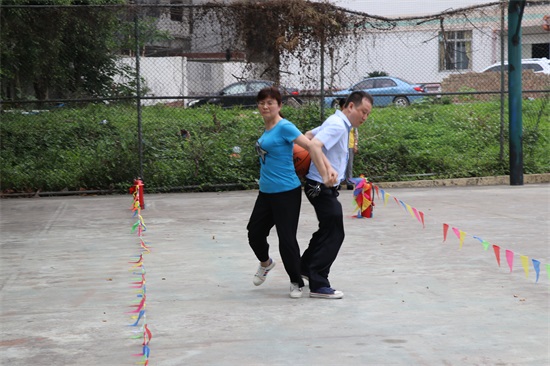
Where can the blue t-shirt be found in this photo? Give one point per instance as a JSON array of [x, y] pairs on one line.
[[275, 149]]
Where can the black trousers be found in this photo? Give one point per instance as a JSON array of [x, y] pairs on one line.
[[281, 210], [327, 240]]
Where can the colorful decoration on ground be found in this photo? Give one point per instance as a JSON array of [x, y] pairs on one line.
[[363, 197], [462, 236], [139, 316]]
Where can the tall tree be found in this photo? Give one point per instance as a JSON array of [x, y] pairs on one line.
[[57, 48]]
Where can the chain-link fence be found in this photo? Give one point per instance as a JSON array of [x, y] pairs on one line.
[[179, 54]]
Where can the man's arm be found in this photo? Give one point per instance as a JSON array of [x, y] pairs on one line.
[[315, 148]]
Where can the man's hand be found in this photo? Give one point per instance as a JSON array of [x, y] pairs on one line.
[[331, 178]]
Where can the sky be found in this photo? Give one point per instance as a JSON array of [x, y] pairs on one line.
[[399, 8]]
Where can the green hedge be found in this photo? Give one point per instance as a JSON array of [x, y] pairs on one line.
[[95, 147]]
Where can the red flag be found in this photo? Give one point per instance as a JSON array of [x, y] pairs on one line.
[[147, 336], [445, 229], [496, 249]]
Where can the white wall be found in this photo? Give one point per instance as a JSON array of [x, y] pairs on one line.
[[411, 55], [164, 76], [210, 77], [204, 77], [396, 8]]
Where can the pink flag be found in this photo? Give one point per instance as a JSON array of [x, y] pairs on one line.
[[417, 215], [138, 307], [457, 232], [510, 258]]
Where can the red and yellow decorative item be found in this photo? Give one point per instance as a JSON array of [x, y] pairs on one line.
[[363, 197], [137, 191]]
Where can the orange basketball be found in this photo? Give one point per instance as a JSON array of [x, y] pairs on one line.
[[301, 160]]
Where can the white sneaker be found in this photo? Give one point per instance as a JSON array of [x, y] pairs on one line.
[[262, 272], [295, 290]]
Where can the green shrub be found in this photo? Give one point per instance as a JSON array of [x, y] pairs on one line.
[[95, 147]]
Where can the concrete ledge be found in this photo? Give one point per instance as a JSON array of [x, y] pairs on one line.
[[461, 182]]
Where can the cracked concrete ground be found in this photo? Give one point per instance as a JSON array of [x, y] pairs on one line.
[[410, 298]]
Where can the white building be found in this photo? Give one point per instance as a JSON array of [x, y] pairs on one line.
[[419, 50], [432, 50]]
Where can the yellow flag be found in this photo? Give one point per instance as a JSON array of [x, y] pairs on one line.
[[525, 264], [462, 236]]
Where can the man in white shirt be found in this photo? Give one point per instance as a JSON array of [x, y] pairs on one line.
[[332, 138]]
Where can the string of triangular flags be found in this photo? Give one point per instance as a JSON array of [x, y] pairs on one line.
[[461, 235], [138, 314]]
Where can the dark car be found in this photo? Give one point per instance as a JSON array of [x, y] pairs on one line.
[[243, 93]]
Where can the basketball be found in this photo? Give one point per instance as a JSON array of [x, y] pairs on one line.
[[301, 160]]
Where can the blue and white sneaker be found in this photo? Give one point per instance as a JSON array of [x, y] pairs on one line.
[[261, 273], [326, 293]]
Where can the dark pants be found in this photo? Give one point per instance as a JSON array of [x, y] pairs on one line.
[[281, 210], [327, 240]]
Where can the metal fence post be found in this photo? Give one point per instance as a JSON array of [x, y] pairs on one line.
[[515, 13], [502, 71], [322, 98], [138, 96]]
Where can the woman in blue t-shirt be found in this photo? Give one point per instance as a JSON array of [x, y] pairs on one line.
[[280, 197]]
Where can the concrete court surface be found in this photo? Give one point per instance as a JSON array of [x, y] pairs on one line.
[[410, 298]]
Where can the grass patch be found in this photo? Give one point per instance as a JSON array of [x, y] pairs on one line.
[[96, 147]]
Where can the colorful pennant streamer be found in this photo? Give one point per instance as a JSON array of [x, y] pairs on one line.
[[462, 235], [140, 283]]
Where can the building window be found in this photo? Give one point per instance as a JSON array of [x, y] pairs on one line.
[[455, 50], [176, 12]]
